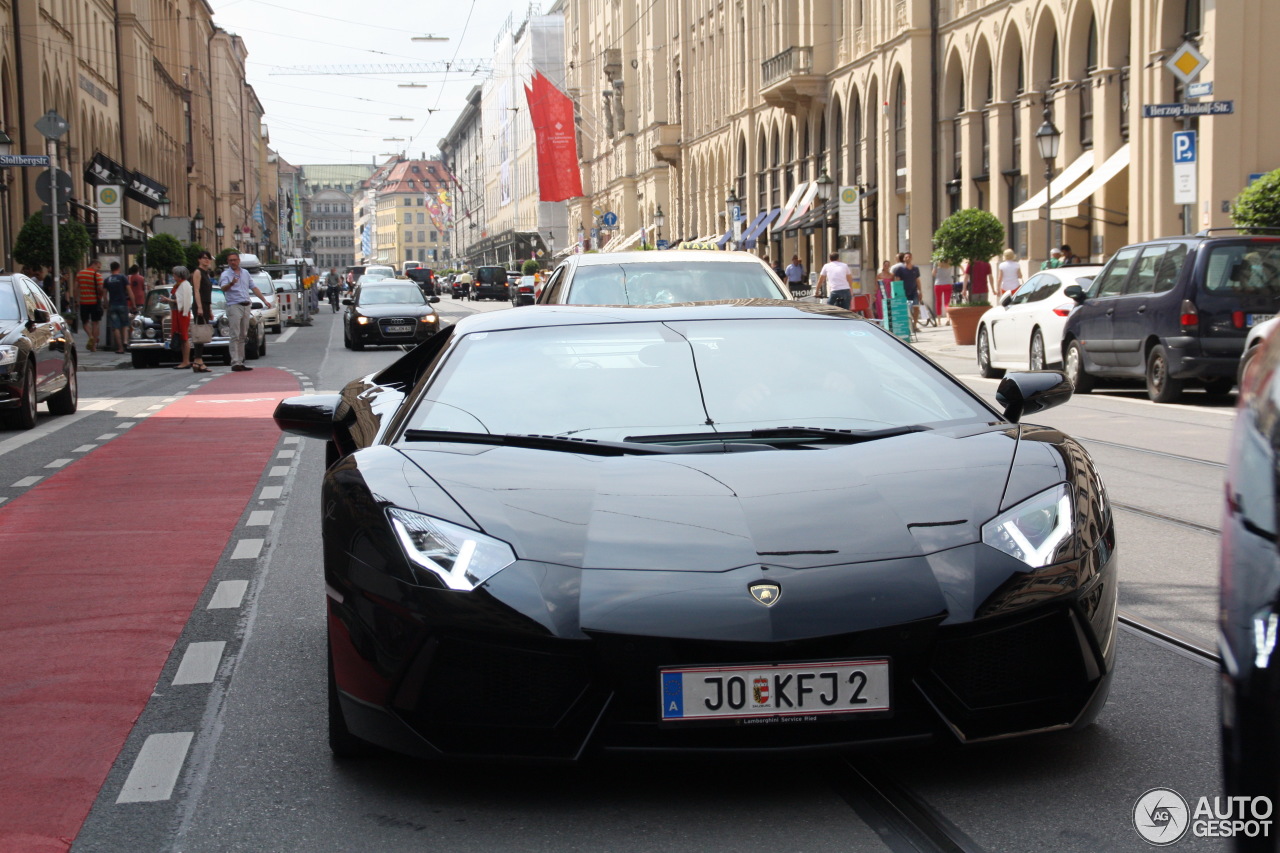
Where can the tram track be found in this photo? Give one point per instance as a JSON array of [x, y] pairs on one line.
[[904, 822], [1161, 517], [1169, 638], [1149, 452]]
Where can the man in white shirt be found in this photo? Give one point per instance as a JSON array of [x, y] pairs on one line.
[[835, 275]]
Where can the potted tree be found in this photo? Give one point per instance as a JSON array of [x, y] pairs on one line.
[[969, 234]]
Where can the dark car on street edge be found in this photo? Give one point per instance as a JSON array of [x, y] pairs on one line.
[[491, 283], [716, 527], [388, 312], [37, 354], [1173, 311]]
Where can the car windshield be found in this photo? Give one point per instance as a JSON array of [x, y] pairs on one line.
[[705, 376], [264, 282], [154, 304], [1244, 268], [219, 299], [667, 282], [391, 294], [8, 303]]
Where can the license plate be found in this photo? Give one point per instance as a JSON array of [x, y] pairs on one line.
[[1255, 319], [774, 690], [399, 329]]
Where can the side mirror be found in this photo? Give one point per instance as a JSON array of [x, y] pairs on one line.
[[311, 416], [434, 299], [348, 301], [257, 304], [1007, 301], [1076, 292], [40, 315], [1029, 392]]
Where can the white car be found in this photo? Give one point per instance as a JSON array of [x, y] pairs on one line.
[[271, 318], [1025, 330], [1253, 343], [381, 271]]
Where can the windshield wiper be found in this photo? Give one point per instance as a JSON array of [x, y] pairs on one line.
[[806, 435], [541, 442]]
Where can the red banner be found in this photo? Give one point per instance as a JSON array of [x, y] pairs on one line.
[[553, 126]]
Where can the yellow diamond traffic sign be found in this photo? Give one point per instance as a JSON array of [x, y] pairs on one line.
[[1186, 63]]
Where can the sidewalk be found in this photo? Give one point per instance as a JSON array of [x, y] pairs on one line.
[[939, 341]]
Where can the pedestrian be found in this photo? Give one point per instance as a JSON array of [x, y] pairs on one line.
[[238, 286], [795, 274], [1068, 257], [908, 273], [181, 298], [778, 270], [1010, 273], [89, 298], [976, 280], [944, 284], [202, 292], [119, 300], [835, 275], [1055, 260], [884, 287]]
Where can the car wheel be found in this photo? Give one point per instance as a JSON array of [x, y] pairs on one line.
[[342, 743], [1037, 351], [262, 346], [226, 358], [24, 417], [1219, 387], [1161, 387], [1073, 360], [1245, 359], [66, 400], [984, 357], [252, 346], [346, 337], [357, 345], [278, 328]]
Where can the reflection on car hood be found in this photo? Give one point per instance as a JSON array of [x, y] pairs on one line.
[[903, 496]]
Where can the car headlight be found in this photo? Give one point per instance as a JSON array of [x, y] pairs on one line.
[[8, 355], [362, 320], [1035, 531], [428, 318], [459, 557], [224, 326], [149, 333]]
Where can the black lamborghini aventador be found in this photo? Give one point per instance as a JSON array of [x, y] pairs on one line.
[[762, 526]]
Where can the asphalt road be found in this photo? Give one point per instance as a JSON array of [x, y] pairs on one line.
[[257, 774]]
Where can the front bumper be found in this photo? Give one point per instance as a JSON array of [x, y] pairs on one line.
[[435, 673], [375, 333]]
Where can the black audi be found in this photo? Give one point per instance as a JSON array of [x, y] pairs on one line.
[[397, 312], [752, 526], [37, 354]]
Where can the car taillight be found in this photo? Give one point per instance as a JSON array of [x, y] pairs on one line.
[[1064, 309], [1189, 315], [1237, 319]]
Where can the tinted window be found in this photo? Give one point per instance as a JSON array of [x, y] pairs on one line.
[[1252, 268], [491, 275], [1111, 280], [676, 281], [1035, 289], [8, 303], [553, 287], [686, 376], [390, 295], [1158, 269]]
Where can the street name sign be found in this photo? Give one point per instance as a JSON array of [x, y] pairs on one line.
[[1203, 108], [1184, 167], [24, 160], [1199, 90]]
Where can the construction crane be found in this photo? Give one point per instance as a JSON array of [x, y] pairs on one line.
[[461, 66]]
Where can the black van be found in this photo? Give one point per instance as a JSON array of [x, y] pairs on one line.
[[1173, 310], [491, 283]]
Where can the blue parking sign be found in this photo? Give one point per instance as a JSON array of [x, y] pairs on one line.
[[1184, 146]]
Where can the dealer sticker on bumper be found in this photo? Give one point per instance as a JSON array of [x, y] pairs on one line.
[[774, 690]]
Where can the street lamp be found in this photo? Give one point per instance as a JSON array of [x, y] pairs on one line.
[[6, 148], [731, 202], [658, 221], [164, 206], [1048, 138], [197, 223], [219, 230], [551, 246], [824, 183]]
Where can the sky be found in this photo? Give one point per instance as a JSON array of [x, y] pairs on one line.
[[347, 118]]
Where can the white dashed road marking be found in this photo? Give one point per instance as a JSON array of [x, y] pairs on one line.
[[293, 439], [278, 471], [247, 549], [228, 594], [85, 448], [58, 463], [199, 663], [259, 518], [107, 436], [156, 769], [286, 454], [26, 481], [270, 493]]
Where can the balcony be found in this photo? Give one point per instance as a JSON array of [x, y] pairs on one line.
[[789, 80], [665, 139]]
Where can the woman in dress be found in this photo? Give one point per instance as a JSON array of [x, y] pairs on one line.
[[181, 298], [944, 284], [1010, 273]]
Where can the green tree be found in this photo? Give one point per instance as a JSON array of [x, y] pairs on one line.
[[530, 267], [1258, 205], [164, 252], [34, 246], [969, 234], [193, 251]]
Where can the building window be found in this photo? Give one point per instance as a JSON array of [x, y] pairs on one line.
[[408, 219], [762, 176], [421, 237], [855, 142], [1124, 105], [419, 201], [421, 218], [408, 236], [408, 202], [805, 150], [435, 237], [789, 165], [957, 149], [838, 146], [1086, 90], [873, 146], [1192, 18], [900, 135], [985, 131], [775, 169]]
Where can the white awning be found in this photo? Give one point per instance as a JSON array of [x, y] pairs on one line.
[[709, 238], [1073, 205], [807, 199], [618, 246], [790, 207], [1032, 209]]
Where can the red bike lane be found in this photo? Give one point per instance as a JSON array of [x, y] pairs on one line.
[[101, 565]]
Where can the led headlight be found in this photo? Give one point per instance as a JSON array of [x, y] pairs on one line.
[[459, 557], [1036, 530], [362, 320], [428, 318], [8, 355]]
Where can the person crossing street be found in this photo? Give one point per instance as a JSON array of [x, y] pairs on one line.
[[237, 285], [89, 298]]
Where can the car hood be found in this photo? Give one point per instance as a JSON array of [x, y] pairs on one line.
[[905, 496], [399, 309], [10, 329]]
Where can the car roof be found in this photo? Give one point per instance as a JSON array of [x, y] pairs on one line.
[[532, 316], [656, 257]]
